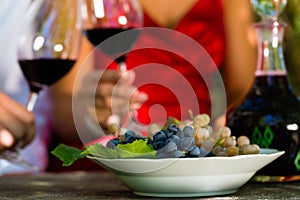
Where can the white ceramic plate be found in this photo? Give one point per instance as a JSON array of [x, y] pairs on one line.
[[188, 177]]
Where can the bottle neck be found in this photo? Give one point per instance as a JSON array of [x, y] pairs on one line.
[[270, 56]]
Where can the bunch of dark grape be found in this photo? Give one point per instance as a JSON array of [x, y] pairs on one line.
[[176, 143], [129, 137]]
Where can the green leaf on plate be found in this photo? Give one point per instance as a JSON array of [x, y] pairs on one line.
[[68, 155], [98, 150], [137, 149], [138, 146]]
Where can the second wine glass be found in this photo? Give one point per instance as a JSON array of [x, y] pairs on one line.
[[102, 19]]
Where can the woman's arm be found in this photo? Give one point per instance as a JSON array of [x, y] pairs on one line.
[[61, 98], [240, 59], [111, 86]]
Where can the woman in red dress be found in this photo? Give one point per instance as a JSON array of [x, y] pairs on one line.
[[196, 21], [223, 28]]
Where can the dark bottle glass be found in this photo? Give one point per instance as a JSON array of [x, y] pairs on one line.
[[270, 114]]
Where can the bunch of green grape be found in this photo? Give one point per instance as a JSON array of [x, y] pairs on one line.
[[220, 142]]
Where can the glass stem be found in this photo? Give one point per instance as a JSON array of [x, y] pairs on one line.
[[31, 101], [122, 66], [130, 121], [121, 61]]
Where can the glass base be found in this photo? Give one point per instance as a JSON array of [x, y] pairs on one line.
[[275, 179]]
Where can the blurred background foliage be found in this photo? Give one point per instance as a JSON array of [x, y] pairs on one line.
[[292, 43]]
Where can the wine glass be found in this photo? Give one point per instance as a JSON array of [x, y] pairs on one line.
[[49, 45], [47, 50], [102, 19]]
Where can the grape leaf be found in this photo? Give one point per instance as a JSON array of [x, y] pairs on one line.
[[68, 155], [137, 146], [136, 149], [98, 150]]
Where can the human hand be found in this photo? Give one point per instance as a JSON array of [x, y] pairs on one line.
[[115, 94], [16, 124]]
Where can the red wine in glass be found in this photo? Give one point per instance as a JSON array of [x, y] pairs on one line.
[[98, 35], [44, 72], [104, 19]]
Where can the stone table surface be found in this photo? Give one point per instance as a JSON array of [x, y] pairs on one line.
[[103, 185]]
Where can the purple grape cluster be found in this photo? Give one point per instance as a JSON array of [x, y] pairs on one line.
[[129, 137], [175, 143], [170, 142]]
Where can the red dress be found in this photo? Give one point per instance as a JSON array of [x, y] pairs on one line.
[[164, 88]]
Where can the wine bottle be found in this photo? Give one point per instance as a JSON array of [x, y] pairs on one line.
[[270, 113]]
